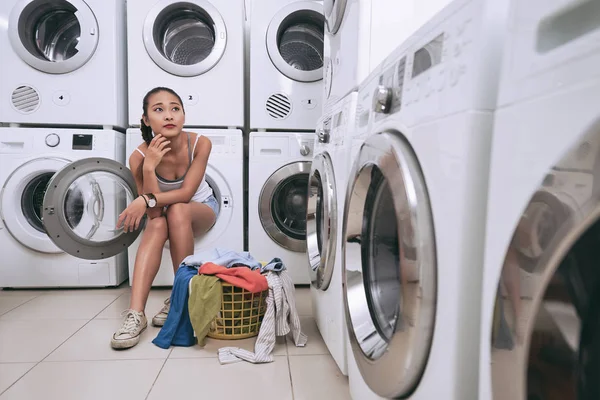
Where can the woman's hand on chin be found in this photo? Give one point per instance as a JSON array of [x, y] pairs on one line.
[[156, 150]]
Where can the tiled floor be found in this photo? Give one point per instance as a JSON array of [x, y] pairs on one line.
[[56, 345]]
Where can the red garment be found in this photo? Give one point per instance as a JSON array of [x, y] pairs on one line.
[[243, 277]]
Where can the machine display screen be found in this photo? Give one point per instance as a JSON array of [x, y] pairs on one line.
[[428, 56], [83, 142]]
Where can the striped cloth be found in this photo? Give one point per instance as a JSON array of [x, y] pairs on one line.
[[280, 319]]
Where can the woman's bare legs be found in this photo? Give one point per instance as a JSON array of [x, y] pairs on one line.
[[182, 232], [147, 261]]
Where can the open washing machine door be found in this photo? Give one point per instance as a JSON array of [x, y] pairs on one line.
[[54, 37], [282, 205], [185, 38], [390, 268], [321, 221], [295, 41], [82, 204]]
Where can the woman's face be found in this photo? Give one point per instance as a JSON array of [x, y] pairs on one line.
[[165, 114]]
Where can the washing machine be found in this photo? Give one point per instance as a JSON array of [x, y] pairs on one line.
[[326, 193], [541, 299], [414, 214], [355, 43], [196, 48], [286, 64], [64, 62], [278, 168], [225, 174], [33, 230]]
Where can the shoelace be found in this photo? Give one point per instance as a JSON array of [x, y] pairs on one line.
[[131, 323], [167, 306]]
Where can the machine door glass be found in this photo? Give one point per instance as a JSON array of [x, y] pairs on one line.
[[185, 38], [56, 36], [390, 265], [295, 41], [334, 14], [82, 204], [282, 205], [544, 336], [321, 221]]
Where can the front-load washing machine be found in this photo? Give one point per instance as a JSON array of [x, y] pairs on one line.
[[279, 165], [64, 62], [225, 174], [30, 160], [286, 64], [196, 48], [326, 194], [540, 335], [415, 208], [359, 34]]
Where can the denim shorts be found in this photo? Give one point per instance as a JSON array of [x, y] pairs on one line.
[[213, 204]]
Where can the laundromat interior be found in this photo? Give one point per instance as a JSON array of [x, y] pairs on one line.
[[300, 199]]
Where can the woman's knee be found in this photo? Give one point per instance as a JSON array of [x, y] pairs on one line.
[[157, 227], [178, 215]]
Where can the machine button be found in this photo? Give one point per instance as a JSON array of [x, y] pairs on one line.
[[190, 99], [52, 140]]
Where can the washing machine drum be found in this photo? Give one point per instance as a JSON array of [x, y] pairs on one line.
[[282, 205], [48, 35], [184, 39], [295, 41]]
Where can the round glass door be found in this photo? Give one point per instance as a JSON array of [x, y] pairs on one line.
[[321, 221], [295, 41], [21, 202], [185, 38], [82, 204], [55, 37], [390, 268], [282, 205], [334, 14]]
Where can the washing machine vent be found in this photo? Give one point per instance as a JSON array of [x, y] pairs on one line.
[[279, 106], [25, 99]]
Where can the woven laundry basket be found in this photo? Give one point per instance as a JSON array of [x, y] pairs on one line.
[[241, 313]]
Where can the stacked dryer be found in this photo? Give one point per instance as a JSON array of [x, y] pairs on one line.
[[196, 48], [286, 75], [62, 98]]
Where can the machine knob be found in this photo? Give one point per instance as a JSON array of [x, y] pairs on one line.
[[52, 140], [382, 100], [304, 150], [323, 136]]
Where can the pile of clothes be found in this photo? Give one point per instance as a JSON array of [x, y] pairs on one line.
[[196, 301]]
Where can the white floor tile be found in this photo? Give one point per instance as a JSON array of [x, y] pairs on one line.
[[92, 342], [315, 343], [155, 302], [206, 378], [9, 373], [303, 301], [31, 341], [61, 306], [213, 345], [317, 377], [8, 303], [89, 380]]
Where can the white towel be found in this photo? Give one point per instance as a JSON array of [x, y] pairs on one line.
[[280, 314]]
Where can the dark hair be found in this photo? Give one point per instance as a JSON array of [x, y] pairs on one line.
[[146, 130]]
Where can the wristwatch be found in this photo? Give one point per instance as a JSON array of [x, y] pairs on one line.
[[151, 200]]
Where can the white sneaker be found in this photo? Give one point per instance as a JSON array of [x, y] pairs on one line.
[[160, 318], [129, 333]]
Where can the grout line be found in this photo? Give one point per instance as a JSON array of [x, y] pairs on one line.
[[290, 375], [157, 375], [22, 304]]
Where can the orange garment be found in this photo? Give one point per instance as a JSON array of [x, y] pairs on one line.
[[243, 277]]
